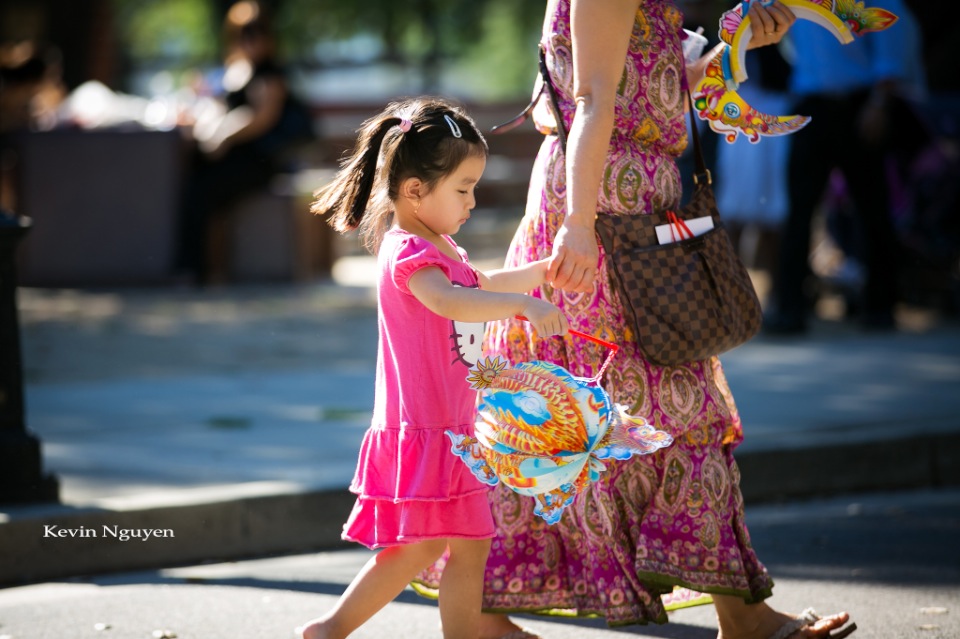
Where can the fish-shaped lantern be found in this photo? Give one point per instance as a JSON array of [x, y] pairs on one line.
[[546, 433]]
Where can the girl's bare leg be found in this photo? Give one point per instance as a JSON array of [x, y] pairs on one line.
[[377, 584], [461, 588], [740, 620]]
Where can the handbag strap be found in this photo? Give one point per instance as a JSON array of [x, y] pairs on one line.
[[702, 171]]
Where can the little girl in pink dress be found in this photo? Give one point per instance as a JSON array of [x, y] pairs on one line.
[[422, 159]]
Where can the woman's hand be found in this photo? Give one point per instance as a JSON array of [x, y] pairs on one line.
[[573, 265], [769, 23]]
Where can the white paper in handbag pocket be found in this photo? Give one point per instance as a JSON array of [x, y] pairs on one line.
[[697, 226]]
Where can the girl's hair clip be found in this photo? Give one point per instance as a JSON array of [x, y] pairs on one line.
[[454, 129], [405, 124]]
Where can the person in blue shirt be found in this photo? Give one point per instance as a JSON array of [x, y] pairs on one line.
[[848, 90]]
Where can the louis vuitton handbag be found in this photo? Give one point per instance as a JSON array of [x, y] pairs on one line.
[[685, 293]]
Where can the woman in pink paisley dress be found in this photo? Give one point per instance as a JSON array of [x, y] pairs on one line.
[[670, 519]]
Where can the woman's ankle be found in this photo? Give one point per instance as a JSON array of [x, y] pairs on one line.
[[738, 619]]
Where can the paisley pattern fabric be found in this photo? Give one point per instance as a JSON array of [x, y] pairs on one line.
[[673, 518]]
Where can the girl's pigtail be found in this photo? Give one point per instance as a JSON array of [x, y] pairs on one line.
[[346, 198]]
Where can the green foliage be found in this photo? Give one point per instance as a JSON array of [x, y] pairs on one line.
[[410, 29], [502, 64], [180, 33], [469, 37]]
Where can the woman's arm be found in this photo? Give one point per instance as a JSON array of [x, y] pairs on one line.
[[600, 32], [267, 97], [515, 280], [432, 288]]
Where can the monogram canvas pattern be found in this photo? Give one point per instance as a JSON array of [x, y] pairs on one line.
[[688, 300]]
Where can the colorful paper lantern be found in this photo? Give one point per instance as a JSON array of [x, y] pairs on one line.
[[715, 96], [546, 433]]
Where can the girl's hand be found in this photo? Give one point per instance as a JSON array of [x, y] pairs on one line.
[[546, 318], [573, 265], [769, 23]]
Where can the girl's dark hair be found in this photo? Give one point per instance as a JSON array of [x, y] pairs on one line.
[[385, 155]]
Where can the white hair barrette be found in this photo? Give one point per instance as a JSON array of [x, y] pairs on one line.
[[454, 129]]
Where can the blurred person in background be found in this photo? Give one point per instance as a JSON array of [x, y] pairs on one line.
[[850, 92], [241, 147], [31, 91], [754, 216]]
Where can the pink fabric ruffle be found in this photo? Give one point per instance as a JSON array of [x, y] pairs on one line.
[[411, 488], [404, 464], [377, 523]]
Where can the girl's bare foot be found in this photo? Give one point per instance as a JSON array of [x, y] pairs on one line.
[[315, 629], [495, 626]]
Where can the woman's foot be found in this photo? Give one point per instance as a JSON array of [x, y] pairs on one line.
[[804, 626], [495, 626], [759, 621], [810, 624]]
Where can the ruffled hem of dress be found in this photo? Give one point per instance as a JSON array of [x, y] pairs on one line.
[[410, 539], [379, 523], [630, 612], [415, 464], [571, 605], [402, 500]]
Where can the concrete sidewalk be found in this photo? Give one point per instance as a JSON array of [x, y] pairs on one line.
[[232, 419], [888, 558]]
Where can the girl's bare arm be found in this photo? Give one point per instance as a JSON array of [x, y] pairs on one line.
[[432, 288], [515, 280]]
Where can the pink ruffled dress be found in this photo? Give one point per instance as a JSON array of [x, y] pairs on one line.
[[409, 486]]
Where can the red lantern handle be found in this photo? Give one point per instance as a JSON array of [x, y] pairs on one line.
[[596, 340]]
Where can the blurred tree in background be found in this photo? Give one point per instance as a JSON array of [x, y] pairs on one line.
[[181, 33], [469, 38], [468, 35], [487, 45]]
